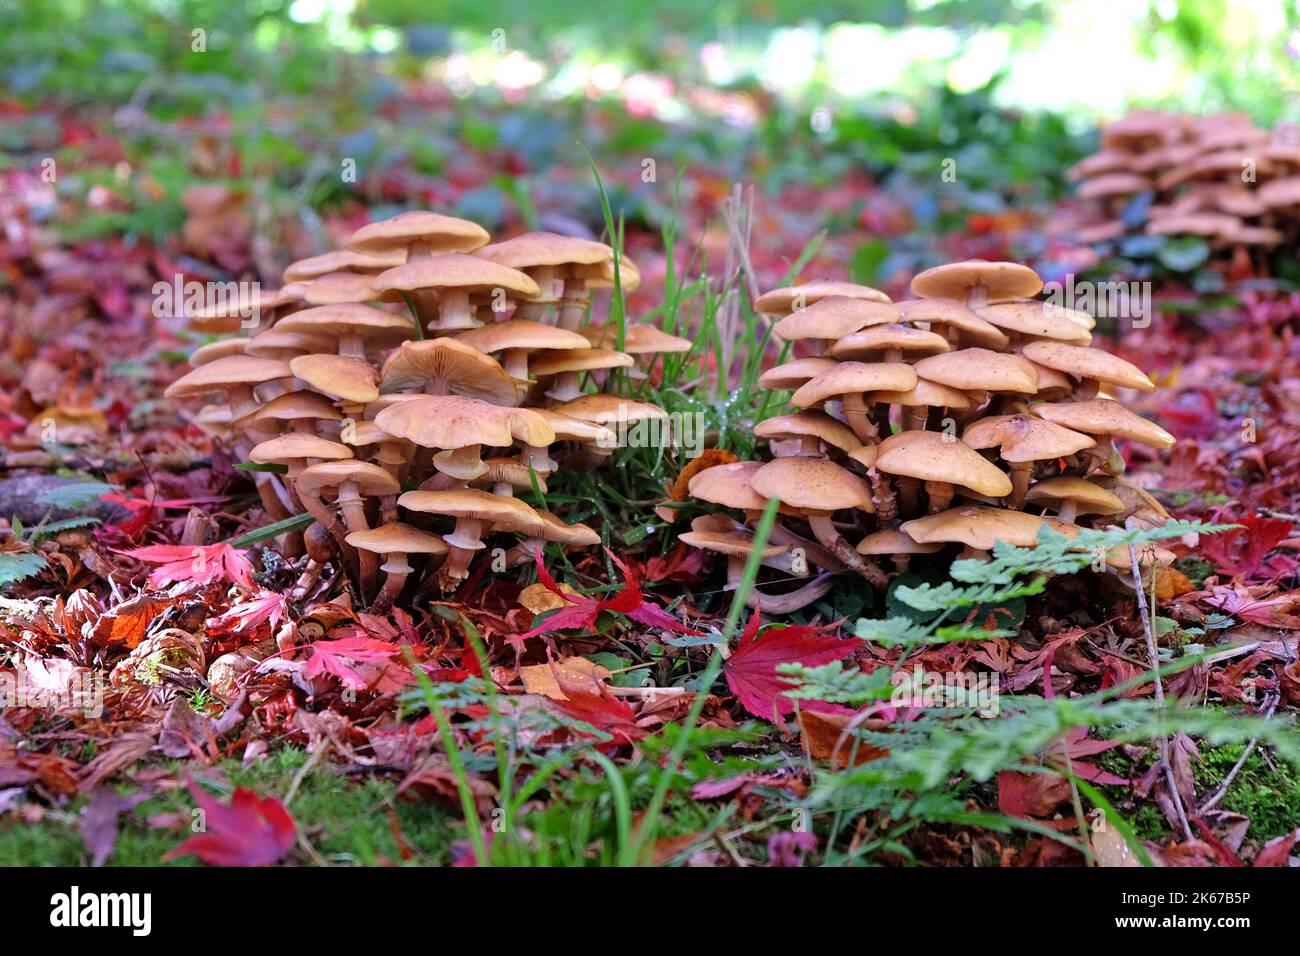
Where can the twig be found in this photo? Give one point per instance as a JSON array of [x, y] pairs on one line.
[[303, 771], [1163, 741], [1271, 702]]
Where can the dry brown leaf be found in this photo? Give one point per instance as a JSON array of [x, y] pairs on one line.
[[820, 734]]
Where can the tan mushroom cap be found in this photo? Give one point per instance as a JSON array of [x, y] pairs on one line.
[[1103, 161], [1088, 363], [783, 301], [1103, 416], [335, 288], [429, 232], [275, 344], [928, 394], [1023, 438], [951, 314], [378, 328], [534, 249], [602, 409], [219, 349], [795, 373], [555, 361], [342, 260], [511, 471], [1147, 555], [462, 369], [833, 317], [1192, 224], [347, 379], [891, 541], [571, 535], [734, 544], [601, 275], [1113, 184], [397, 538], [876, 341], [1238, 202], [1280, 193], [225, 372], [1254, 236], [981, 369], [451, 422], [932, 456], [977, 526], [520, 334], [810, 423], [812, 485], [502, 512], [454, 270], [975, 278], [298, 446], [729, 485], [293, 405], [369, 479], [1091, 499], [851, 378], [1038, 319], [228, 314], [866, 455], [637, 339], [567, 428]]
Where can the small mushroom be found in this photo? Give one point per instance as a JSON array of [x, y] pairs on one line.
[[849, 382], [351, 480], [461, 427], [811, 428], [942, 462], [548, 259], [396, 542], [737, 546], [441, 288], [357, 327], [977, 282], [476, 513], [1074, 496], [898, 545], [979, 528], [1023, 440]]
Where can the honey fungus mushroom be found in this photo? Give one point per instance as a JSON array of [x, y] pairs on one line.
[[549, 259], [441, 288], [942, 462], [476, 514], [896, 544], [978, 528], [736, 544], [1022, 440], [1072, 496], [396, 542], [351, 481]]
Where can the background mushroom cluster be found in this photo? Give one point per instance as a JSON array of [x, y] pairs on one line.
[[972, 414], [403, 389], [1218, 177]]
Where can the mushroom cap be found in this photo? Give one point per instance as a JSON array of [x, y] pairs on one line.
[[1038, 319], [890, 541], [1077, 316], [369, 479], [1092, 234], [978, 526], [782, 301], [509, 514], [728, 485], [554, 361], [227, 314], [876, 340], [1147, 555], [1113, 184], [950, 313], [734, 544], [442, 233], [298, 446], [638, 339], [1102, 161], [520, 334], [835, 316], [814, 485], [1193, 224], [567, 428], [1104, 416], [397, 538], [1253, 236], [292, 405], [534, 249], [335, 288], [849, 378], [218, 349], [465, 370], [1088, 363], [933, 456], [451, 421], [1051, 383], [1023, 438], [571, 535], [225, 372], [277, 344], [1001, 280], [981, 369], [1280, 193], [794, 373], [511, 470], [1238, 202], [379, 328], [344, 378], [929, 394], [342, 260], [601, 275], [609, 408], [1091, 499], [455, 270], [811, 423]]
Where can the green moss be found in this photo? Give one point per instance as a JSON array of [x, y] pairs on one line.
[[346, 820], [1268, 795]]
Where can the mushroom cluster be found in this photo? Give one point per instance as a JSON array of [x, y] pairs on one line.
[[1218, 177], [972, 414], [404, 388]]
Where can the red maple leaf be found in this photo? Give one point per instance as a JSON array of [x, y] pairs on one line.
[[249, 831], [202, 565], [751, 671], [581, 611], [1240, 552], [267, 608], [600, 709], [332, 657]]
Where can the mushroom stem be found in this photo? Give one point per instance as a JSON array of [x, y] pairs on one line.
[[1069, 510], [940, 493], [973, 554], [515, 363], [825, 532], [353, 345], [396, 569], [565, 387], [465, 540], [326, 517], [454, 312], [859, 418], [791, 602], [353, 507], [1087, 389], [813, 552], [573, 307], [1021, 471]]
